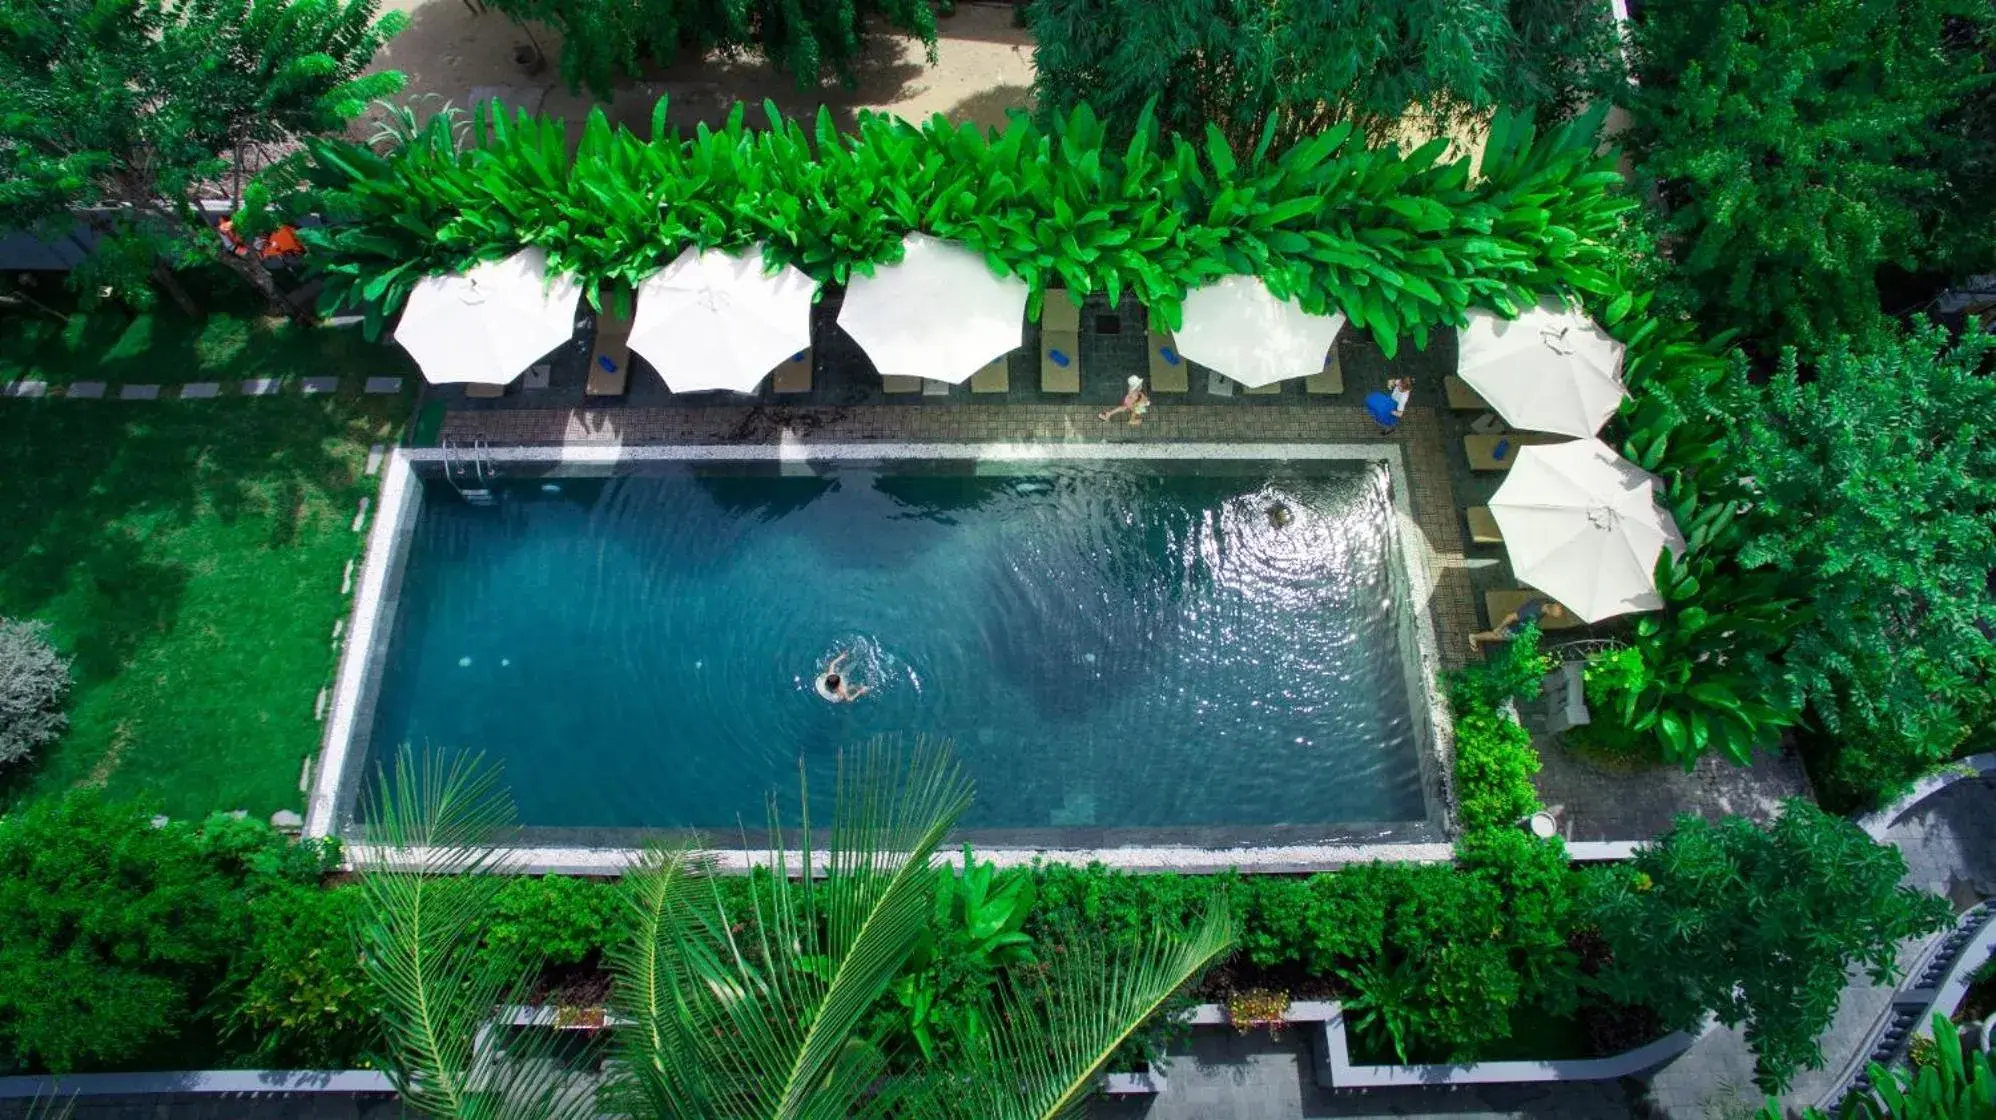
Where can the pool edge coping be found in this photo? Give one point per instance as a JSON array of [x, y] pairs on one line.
[[398, 499]]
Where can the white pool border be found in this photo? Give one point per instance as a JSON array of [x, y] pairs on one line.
[[399, 499]]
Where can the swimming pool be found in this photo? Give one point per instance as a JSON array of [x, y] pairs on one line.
[[1126, 652]]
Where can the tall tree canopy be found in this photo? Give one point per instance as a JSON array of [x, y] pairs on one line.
[[136, 111], [605, 43], [1313, 63], [1758, 926], [1876, 484], [1802, 147]]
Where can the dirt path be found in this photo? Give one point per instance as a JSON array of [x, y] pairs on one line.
[[984, 66]]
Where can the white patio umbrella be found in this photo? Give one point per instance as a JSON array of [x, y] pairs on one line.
[[1236, 327], [490, 322], [1583, 525], [938, 313], [1548, 370], [714, 320]]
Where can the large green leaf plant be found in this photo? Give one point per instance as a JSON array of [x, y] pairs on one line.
[[733, 1009]]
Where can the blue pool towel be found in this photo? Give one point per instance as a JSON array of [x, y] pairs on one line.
[[1060, 359], [604, 361], [1380, 405], [1170, 355]]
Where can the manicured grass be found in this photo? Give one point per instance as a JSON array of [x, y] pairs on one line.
[[189, 555], [161, 346]]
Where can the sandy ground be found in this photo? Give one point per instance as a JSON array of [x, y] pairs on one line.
[[984, 66]]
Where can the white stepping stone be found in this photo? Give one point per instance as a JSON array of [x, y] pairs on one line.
[[28, 389], [933, 388], [1219, 384], [375, 455], [383, 385], [314, 385], [262, 387], [200, 390], [85, 390], [139, 393]]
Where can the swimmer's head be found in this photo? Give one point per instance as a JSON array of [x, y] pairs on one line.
[[832, 681]]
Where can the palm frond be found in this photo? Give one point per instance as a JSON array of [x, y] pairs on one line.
[[430, 873], [1058, 1030], [758, 1014]]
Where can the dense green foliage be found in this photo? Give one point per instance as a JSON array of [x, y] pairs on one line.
[[1803, 146], [34, 682], [1959, 1084], [1705, 661], [764, 1009], [139, 110], [188, 557], [604, 44], [113, 931], [1402, 243], [296, 997], [1758, 926], [1310, 64], [1875, 478]]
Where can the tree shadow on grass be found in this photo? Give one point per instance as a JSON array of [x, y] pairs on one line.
[[102, 508]]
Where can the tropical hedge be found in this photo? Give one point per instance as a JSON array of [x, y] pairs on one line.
[[1405, 243]]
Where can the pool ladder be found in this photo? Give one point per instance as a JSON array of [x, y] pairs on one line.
[[470, 470]]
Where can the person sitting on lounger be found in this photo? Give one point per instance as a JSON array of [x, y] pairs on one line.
[[1136, 402], [836, 688], [1531, 610]]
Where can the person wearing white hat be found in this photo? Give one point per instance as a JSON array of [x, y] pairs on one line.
[[1136, 402]]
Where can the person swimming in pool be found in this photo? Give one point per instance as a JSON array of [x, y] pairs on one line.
[[836, 688]]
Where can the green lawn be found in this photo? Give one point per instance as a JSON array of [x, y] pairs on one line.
[[160, 346], [189, 555]]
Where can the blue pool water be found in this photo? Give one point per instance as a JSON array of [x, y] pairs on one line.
[[1120, 652]]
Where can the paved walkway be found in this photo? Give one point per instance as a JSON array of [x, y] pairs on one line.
[[1595, 803], [1225, 1076], [1949, 842]]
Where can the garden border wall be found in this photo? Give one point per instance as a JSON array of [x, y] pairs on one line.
[[205, 1082]]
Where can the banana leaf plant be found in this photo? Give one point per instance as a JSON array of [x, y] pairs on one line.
[[1403, 243]]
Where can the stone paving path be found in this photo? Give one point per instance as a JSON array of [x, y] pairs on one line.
[[1593, 803], [1225, 1076], [1949, 842]]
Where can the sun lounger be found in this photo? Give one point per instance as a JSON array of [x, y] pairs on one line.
[[1502, 601], [995, 377], [1169, 373], [899, 383], [1059, 313], [610, 361], [1461, 397], [1331, 381], [1060, 362], [1483, 526], [1482, 449], [480, 391], [794, 375]]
